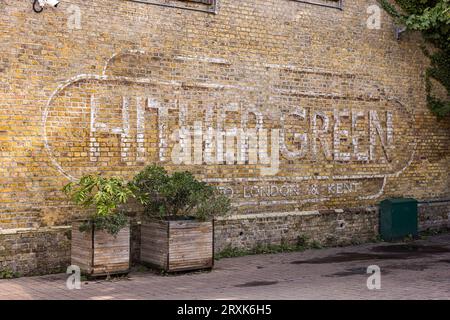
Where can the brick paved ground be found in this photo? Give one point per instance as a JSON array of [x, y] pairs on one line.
[[419, 270]]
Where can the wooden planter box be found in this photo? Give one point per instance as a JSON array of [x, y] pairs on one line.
[[99, 253], [177, 245]]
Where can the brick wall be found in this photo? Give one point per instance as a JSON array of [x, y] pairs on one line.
[[47, 250], [35, 251], [309, 108], [327, 227], [434, 216]]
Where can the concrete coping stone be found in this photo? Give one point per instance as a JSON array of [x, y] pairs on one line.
[[442, 203], [269, 215], [33, 230], [286, 214], [231, 217]]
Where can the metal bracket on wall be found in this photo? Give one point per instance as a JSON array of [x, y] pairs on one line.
[[398, 30], [339, 4], [212, 8]]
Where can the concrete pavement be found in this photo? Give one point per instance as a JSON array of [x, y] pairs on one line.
[[413, 270]]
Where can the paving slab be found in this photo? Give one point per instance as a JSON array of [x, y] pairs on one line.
[[408, 270]]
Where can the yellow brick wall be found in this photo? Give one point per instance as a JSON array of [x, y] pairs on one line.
[[347, 104]]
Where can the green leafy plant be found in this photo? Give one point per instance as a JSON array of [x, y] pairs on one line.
[[178, 195], [105, 195], [432, 18], [303, 243], [8, 274]]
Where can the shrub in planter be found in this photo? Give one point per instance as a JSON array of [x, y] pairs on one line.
[[177, 230], [100, 243]]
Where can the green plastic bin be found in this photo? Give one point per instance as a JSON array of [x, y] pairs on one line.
[[398, 218]]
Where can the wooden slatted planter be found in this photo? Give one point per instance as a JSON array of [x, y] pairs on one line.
[[177, 245], [99, 253]]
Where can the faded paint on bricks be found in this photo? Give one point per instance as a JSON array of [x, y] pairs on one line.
[[284, 106]]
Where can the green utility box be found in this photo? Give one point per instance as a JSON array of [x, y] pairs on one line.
[[398, 218]]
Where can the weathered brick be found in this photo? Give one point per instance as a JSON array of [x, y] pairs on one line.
[[348, 102]]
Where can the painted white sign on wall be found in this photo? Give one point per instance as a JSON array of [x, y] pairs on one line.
[[267, 139]]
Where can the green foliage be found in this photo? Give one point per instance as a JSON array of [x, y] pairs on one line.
[[8, 274], [439, 70], [112, 223], [432, 232], [303, 243], [390, 9], [212, 205], [315, 245], [432, 18], [231, 252], [177, 195], [104, 195], [414, 6], [302, 240]]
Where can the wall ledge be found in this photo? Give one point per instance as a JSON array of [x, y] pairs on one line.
[[263, 215], [34, 230]]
